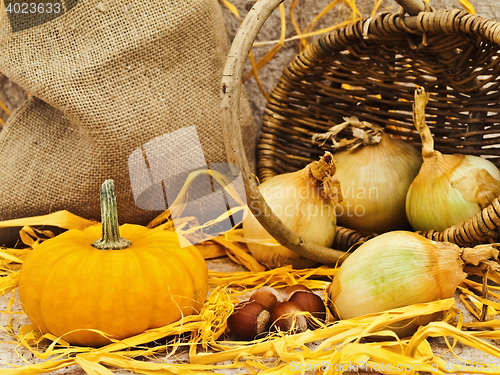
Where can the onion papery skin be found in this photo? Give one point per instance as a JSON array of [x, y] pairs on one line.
[[297, 202], [433, 200], [375, 179], [393, 270], [449, 189]]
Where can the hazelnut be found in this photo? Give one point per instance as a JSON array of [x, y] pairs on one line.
[[288, 317], [266, 296], [287, 293], [248, 320], [312, 303]]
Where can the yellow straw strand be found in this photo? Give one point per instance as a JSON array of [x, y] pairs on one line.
[[231, 8], [5, 109], [467, 6]]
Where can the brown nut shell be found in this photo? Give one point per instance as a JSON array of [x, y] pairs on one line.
[[266, 296], [287, 292], [248, 320], [312, 303], [288, 317]]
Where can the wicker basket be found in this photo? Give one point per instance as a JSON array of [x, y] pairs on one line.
[[453, 54]]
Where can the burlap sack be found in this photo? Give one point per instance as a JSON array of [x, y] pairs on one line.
[[106, 78]]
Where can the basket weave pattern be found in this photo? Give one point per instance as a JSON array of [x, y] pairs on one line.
[[370, 70]]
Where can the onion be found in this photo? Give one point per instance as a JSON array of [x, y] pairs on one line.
[[305, 202], [375, 172], [448, 189], [399, 269]]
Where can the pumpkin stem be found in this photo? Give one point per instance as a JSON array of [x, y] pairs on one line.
[[111, 239]]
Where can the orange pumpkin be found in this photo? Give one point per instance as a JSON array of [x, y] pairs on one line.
[[75, 283]]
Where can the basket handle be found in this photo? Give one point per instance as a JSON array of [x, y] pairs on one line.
[[412, 7], [233, 140]]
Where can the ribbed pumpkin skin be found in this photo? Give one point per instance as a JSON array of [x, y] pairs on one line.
[[67, 285]]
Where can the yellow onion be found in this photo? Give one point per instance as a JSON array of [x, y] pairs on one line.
[[305, 201], [375, 176], [448, 189], [399, 269]]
